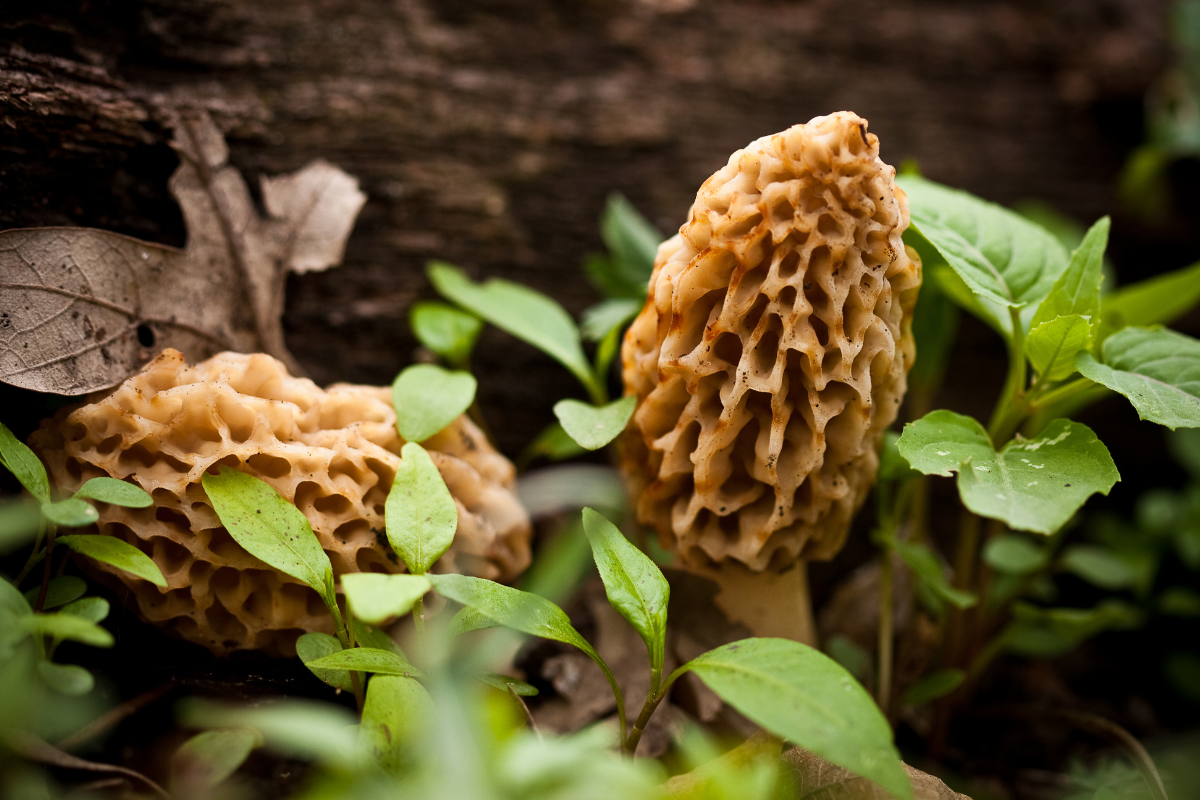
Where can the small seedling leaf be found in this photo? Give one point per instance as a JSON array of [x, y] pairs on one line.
[[504, 683], [1014, 555], [395, 715], [447, 331], [470, 619], [70, 513], [924, 564], [553, 443], [1077, 290], [210, 757], [1052, 346], [269, 527], [16, 456], [312, 646], [591, 426], [119, 493], [374, 598], [69, 679], [93, 609], [305, 729], [1099, 567], [934, 685], [636, 588], [62, 590], [427, 398], [420, 513], [632, 244], [602, 318], [1157, 369], [1156, 301], [19, 521], [367, 659], [802, 695], [68, 626], [1031, 484], [117, 553]]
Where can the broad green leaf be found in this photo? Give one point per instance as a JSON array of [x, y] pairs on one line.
[[69, 679], [806, 697], [1014, 555], [69, 626], [1002, 256], [312, 646], [396, 714], [603, 317], [635, 587], [471, 619], [925, 565], [117, 553], [1052, 346], [119, 493], [70, 513], [528, 315], [374, 598], [269, 528], [594, 426], [210, 757], [369, 636], [934, 685], [367, 659], [632, 244], [420, 514], [93, 609], [19, 521], [1157, 369], [1156, 301], [62, 590], [504, 683], [1031, 484], [447, 331], [1077, 290], [427, 398], [1099, 566], [21, 462], [305, 729], [892, 466], [512, 608]]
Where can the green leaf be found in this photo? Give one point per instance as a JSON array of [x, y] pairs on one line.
[[607, 315], [367, 659], [512, 608], [70, 513], [854, 658], [806, 697], [1031, 484], [470, 619], [19, 521], [396, 714], [374, 598], [447, 331], [553, 443], [300, 728], [427, 398], [1077, 290], [1049, 632], [594, 426], [68, 679], [269, 528], [528, 315], [504, 683], [119, 493], [15, 612], [892, 466], [635, 587], [420, 514], [632, 244], [312, 646], [117, 553], [210, 757], [21, 462], [924, 564], [69, 626], [934, 685], [1099, 567], [1014, 555], [1052, 346], [1002, 256], [62, 590], [92, 609], [1156, 301], [1157, 369]]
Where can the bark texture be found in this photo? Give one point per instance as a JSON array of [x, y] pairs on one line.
[[488, 132]]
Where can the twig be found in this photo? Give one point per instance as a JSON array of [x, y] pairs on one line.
[[528, 714], [1107, 729], [106, 721], [35, 749]]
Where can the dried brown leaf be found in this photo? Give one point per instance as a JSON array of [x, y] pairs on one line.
[[83, 309], [815, 778]]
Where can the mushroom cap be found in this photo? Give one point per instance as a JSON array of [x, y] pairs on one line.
[[772, 351], [332, 452]]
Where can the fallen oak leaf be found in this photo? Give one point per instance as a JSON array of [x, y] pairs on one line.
[[82, 309]]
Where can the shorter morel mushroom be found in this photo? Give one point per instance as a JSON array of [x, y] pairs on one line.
[[769, 359], [333, 453]]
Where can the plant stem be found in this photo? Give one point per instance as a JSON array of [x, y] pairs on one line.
[[886, 633], [629, 747], [418, 613], [41, 598], [1010, 410], [964, 567], [33, 555]]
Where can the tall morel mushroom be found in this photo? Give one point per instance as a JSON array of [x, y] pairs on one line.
[[332, 452], [769, 359]]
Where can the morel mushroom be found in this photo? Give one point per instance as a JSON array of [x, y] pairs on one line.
[[332, 452], [769, 359]]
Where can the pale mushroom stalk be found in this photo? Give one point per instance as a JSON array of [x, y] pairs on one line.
[[770, 357]]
